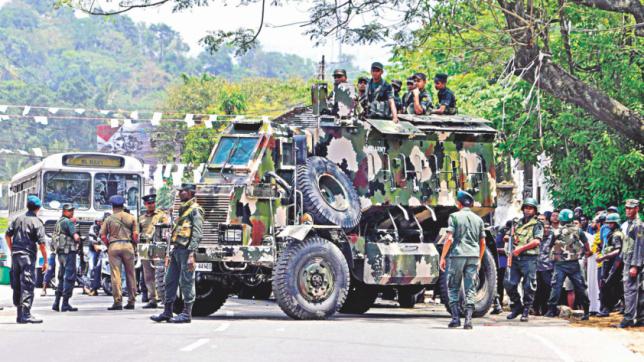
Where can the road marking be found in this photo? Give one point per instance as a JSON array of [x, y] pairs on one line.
[[281, 329], [561, 354], [230, 314], [193, 346], [222, 327]]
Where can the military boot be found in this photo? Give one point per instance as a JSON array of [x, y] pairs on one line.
[[165, 316], [56, 306], [603, 313], [552, 312], [625, 323], [586, 315], [497, 308], [28, 318], [468, 318], [516, 310], [185, 316], [151, 305], [19, 314], [66, 307], [525, 314], [456, 317]]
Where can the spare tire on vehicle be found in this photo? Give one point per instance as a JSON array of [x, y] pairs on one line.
[[329, 195]]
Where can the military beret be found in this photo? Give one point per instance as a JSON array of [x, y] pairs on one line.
[[34, 201], [363, 79], [464, 198], [440, 77], [420, 76], [150, 198], [117, 201], [632, 203], [411, 80], [396, 83], [340, 72], [612, 209], [67, 207], [377, 65], [188, 187]]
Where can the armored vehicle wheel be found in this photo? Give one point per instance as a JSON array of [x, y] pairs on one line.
[[209, 298], [106, 283], [360, 298], [408, 295], [485, 290], [311, 279], [329, 195], [159, 278], [259, 292]]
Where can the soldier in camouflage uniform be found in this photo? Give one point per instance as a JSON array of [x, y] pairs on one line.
[[526, 236], [363, 100], [568, 248], [186, 235], [633, 258], [147, 221], [65, 241], [396, 85], [422, 100], [611, 284], [464, 249], [408, 97], [380, 95]]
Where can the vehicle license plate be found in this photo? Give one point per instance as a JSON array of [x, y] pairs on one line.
[[204, 267]]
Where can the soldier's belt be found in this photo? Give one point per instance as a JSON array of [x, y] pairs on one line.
[[119, 241]]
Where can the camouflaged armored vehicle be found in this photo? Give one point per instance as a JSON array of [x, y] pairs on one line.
[[331, 210]]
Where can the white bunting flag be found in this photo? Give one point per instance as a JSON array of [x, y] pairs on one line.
[[134, 115], [23, 152], [167, 171], [1, 189], [105, 112], [265, 118], [211, 118], [53, 110], [79, 110], [26, 110], [3, 108], [127, 122], [37, 151], [156, 118], [3, 118], [189, 120], [196, 173], [178, 175], [146, 171], [41, 119], [158, 176], [114, 123]]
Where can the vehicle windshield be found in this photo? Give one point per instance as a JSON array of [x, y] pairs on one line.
[[108, 184], [67, 188], [234, 151]]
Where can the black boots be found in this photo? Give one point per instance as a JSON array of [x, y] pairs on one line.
[[552, 312], [166, 315], [586, 315], [24, 316], [115, 307], [56, 306], [185, 316], [66, 307], [151, 305], [456, 317], [468, 318], [524, 315], [516, 310], [497, 308], [19, 315]]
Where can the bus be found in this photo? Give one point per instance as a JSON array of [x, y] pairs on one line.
[[86, 180]]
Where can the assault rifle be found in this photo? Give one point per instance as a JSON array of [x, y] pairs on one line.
[[511, 247]]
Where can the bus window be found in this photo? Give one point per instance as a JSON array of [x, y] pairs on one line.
[[67, 187], [108, 184]]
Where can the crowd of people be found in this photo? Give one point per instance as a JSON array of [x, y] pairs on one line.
[[565, 257]]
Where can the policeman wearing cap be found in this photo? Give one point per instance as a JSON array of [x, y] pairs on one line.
[[422, 101], [65, 241], [633, 259], [523, 239], [119, 233], [24, 233], [446, 98], [147, 222], [180, 272], [461, 256], [397, 85], [380, 95], [408, 97]]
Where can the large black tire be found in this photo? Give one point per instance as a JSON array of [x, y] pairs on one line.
[[360, 298], [311, 279], [209, 298], [262, 291], [408, 295], [159, 278], [485, 290], [329, 195], [106, 284]]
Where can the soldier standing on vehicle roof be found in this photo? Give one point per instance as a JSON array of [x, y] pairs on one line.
[[464, 251], [526, 236], [422, 101], [119, 233], [610, 288], [408, 97], [380, 96], [23, 234], [65, 241], [343, 97], [567, 249], [147, 222], [363, 101], [396, 85], [446, 98], [633, 258], [180, 272]]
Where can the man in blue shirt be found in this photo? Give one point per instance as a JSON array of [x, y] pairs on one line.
[[22, 236]]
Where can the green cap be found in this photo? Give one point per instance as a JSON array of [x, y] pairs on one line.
[[67, 207], [566, 215], [377, 65], [340, 72]]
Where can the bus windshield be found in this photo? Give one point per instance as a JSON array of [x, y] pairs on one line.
[[234, 151], [67, 187], [108, 184]]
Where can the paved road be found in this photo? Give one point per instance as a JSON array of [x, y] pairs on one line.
[[249, 330]]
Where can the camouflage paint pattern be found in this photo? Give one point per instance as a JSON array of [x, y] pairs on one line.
[[567, 245], [400, 263]]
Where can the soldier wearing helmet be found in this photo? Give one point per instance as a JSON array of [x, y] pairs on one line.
[[568, 248], [611, 271], [633, 258], [525, 237]]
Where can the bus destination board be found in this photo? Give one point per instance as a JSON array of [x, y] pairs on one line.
[[102, 161]]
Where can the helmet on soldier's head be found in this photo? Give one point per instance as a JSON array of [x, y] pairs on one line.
[[529, 201], [612, 217], [566, 215]]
